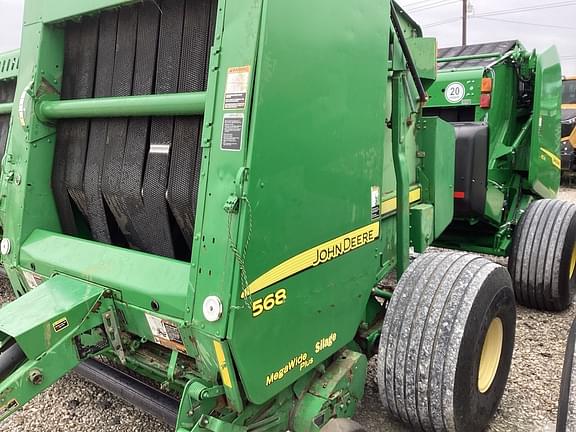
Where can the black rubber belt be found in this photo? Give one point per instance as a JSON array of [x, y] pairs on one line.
[[118, 128], [72, 135], [7, 91], [96, 211], [135, 180], [186, 150], [130, 213], [161, 131]]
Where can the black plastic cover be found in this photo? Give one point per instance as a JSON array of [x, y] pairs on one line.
[[471, 169]]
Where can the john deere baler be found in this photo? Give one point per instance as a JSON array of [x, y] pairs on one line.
[[504, 102], [209, 193]]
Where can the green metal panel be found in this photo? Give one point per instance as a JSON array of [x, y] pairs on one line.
[[319, 200], [214, 267], [421, 227], [544, 171], [436, 142], [470, 81], [27, 195], [48, 11], [33, 319], [141, 277], [423, 50]]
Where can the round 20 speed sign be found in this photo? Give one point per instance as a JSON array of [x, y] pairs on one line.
[[455, 92]]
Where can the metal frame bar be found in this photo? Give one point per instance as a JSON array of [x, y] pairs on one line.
[[181, 104], [469, 57]]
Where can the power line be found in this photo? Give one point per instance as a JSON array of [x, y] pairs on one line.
[[433, 5], [417, 3], [524, 23], [446, 21], [527, 9]]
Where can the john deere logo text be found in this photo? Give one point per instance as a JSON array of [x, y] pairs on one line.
[[313, 257], [343, 246]]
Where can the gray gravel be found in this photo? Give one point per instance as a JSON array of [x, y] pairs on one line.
[[529, 403]]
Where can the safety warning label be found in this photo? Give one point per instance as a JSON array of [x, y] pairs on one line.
[[232, 132], [375, 202], [165, 333], [237, 83]]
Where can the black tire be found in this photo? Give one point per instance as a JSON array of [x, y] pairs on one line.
[[541, 261], [567, 402], [432, 341], [342, 425]]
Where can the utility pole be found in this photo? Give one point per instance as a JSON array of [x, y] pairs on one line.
[[464, 22]]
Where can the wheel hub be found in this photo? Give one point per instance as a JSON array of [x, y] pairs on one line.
[[573, 261], [490, 357]]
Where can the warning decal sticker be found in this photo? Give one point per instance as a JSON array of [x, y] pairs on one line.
[[166, 333], [375, 203], [232, 132], [60, 325], [237, 83]]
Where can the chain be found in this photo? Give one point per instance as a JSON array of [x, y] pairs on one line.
[[241, 255]]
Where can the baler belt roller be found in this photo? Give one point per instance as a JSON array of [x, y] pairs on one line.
[[131, 390]]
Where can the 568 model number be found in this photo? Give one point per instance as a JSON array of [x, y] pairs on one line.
[[269, 302]]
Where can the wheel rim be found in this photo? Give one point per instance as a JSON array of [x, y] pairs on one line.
[[491, 353], [573, 261]]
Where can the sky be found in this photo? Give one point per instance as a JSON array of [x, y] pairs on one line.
[[552, 23]]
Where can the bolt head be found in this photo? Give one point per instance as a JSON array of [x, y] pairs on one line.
[[36, 377]]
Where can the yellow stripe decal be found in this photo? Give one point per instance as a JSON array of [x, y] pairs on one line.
[[391, 204], [224, 373], [555, 159], [315, 256]]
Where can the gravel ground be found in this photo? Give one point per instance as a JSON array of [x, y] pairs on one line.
[[529, 403]]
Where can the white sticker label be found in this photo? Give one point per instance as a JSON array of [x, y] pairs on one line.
[[237, 83], [232, 129], [32, 279], [455, 92], [375, 202], [165, 333]]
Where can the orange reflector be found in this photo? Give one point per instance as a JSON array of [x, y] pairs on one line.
[[485, 101], [486, 85], [459, 195]]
